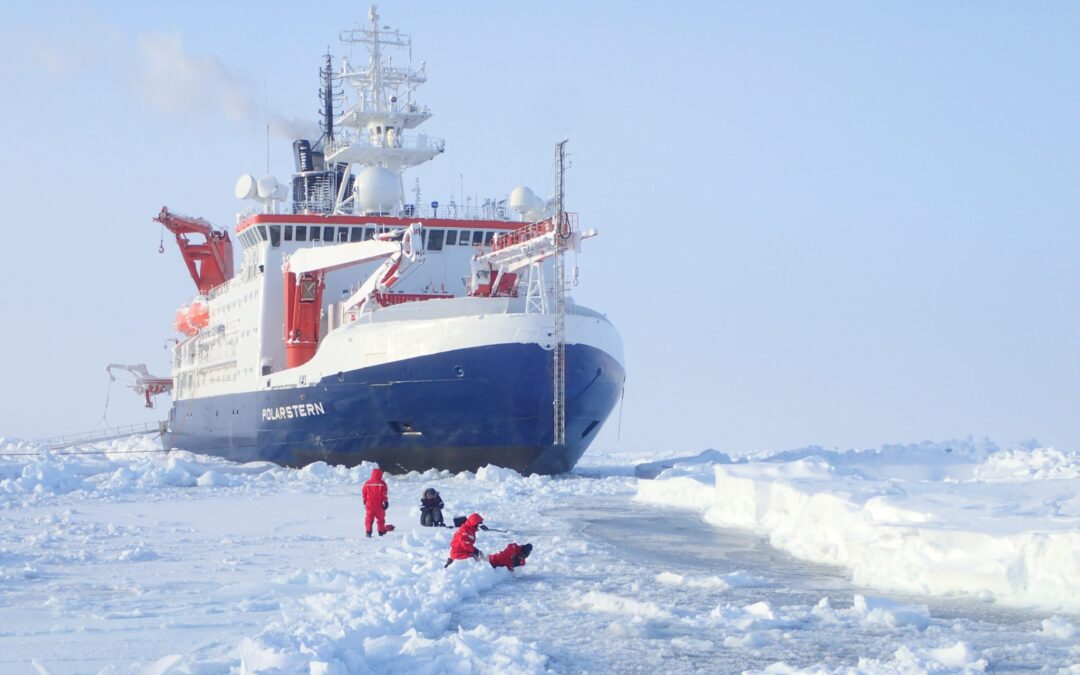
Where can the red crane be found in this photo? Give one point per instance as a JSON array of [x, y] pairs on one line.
[[210, 263]]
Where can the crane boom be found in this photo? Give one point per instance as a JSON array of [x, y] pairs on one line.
[[495, 273], [209, 263], [144, 383]]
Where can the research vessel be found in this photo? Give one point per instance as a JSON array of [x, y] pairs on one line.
[[358, 325]]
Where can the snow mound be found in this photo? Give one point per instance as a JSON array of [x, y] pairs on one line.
[[1058, 627], [496, 474], [956, 659], [388, 619], [889, 613], [1025, 465], [724, 582], [654, 469]]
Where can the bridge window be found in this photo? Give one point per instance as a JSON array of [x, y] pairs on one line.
[[451, 237], [301, 233], [356, 234], [488, 236], [369, 233], [275, 235], [343, 234], [463, 238], [315, 232], [262, 232], [288, 233], [328, 234], [477, 237], [434, 239]]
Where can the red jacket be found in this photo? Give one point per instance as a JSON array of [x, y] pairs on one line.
[[374, 493], [463, 545], [510, 557]]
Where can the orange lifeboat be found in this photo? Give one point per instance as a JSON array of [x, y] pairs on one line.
[[190, 318], [199, 314], [181, 323]]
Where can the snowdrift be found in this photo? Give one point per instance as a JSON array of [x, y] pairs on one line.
[[943, 519]]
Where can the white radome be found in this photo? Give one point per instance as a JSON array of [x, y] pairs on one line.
[[522, 199], [378, 190], [268, 187], [246, 188]]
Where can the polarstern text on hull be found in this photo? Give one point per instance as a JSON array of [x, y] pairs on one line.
[[354, 323], [288, 412]]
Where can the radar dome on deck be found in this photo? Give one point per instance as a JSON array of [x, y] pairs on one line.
[[246, 188], [267, 186], [378, 190], [521, 199]]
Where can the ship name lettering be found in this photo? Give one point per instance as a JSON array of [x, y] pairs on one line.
[[288, 412]]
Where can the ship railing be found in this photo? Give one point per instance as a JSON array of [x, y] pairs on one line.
[[219, 289], [100, 435], [530, 231], [421, 142], [487, 210]]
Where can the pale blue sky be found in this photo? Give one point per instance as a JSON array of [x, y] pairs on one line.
[[837, 223]]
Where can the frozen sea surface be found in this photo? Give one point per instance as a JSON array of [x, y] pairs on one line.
[[175, 563]]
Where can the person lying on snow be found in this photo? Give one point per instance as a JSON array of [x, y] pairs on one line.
[[463, 545], [512, 556], [431, 506], [376, 502]]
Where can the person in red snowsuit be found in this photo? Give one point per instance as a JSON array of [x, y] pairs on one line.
[[375, 502], [510, 557], [463, 545]]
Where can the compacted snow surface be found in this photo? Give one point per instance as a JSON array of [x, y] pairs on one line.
[[933, 558]]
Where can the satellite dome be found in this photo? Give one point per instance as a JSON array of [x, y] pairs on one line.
[[521, 199], [378, 190]]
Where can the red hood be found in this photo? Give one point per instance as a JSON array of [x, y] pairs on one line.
[[376, 474]]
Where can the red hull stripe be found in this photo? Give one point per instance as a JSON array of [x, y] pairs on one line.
[[445, 223]]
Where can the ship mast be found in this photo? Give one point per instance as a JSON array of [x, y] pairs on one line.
[[372, 131], [558, 304]]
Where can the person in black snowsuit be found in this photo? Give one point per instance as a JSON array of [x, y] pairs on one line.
[[431, 506]]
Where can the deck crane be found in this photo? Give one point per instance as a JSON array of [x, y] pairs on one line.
[[145, 383], [305, 276], [495, 273], [210, 263]]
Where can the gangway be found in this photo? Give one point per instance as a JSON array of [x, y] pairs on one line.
[[101, 435]]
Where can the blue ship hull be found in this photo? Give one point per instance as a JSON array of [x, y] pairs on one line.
[[456, 410]]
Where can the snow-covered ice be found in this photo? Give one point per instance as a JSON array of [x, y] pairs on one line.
[[943, 519], [136, 560]]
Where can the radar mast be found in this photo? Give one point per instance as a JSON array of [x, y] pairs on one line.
[[372, 131]]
